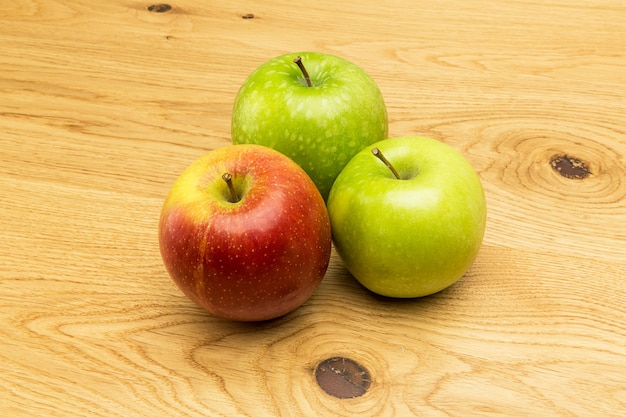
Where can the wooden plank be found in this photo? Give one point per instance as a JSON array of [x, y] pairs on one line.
[[104, 104]]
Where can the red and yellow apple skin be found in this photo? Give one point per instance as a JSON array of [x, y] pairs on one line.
[[251, 260]]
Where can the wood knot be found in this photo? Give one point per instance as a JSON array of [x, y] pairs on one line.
[[342, 377], [159, 8], [247, 16], [570, 167]]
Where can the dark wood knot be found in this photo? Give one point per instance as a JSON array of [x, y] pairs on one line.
[[159, 8], [342, 377], [570, 167]]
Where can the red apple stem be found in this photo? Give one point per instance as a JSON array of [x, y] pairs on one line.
[[377, 153], [298, 61], [228, 177]]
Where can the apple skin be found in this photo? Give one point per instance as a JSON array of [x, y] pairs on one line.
[[414, 236], [252, 260], [319, 127]]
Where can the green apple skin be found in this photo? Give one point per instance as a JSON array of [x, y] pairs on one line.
[[319, 127], [413, 236], [251, 260]]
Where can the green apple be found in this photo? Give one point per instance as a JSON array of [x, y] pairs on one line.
[[318, 109], [414, 235], [245, 233]]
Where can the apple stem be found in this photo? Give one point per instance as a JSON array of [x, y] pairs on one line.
[[377, 153], [298, 61], [228, 177]]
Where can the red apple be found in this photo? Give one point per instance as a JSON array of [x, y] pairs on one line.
[[244, 233]]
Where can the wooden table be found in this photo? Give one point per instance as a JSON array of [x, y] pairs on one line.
[[103, 104]]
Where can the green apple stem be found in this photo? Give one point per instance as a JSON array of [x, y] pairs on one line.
[[298, 61], [228, 177], [377, 153]]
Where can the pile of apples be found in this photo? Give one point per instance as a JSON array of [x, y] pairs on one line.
[[246, 231]]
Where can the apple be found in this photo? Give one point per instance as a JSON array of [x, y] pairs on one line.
[[318, 109], [413, 234], [244, 233]]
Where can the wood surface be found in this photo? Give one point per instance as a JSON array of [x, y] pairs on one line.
[[103, 104]]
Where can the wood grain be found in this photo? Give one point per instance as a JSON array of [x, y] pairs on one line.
[[104, 103]]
